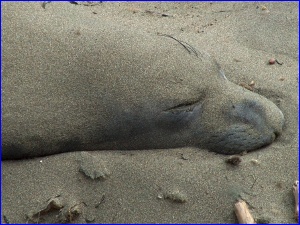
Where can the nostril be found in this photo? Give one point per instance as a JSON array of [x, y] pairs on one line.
[[277, 134]]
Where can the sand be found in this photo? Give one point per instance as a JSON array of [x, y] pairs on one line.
[[185, 185]]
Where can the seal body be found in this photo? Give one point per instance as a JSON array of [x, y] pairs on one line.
[[71, 86]]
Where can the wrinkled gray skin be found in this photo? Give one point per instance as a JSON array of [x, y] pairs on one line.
[[69, 86]]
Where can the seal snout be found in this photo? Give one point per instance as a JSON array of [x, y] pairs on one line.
[[251, 123], [263, 116], [263, 120]]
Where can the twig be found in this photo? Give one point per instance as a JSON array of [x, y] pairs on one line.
[[278, 62], [242, 213], [296, 194]]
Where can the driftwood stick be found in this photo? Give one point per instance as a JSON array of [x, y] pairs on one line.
[[296, 194], [242, 213]]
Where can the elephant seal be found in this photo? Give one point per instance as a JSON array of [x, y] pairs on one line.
[[89, 84]]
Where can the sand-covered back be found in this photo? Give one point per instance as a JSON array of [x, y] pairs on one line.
[[185, 185]]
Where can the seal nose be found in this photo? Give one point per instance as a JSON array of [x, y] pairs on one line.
[[277, 134], [261, 114]]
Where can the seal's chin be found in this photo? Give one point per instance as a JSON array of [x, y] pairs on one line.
[[238, 139], [246, 125]]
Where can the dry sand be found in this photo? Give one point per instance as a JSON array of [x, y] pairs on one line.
[[179, 185]]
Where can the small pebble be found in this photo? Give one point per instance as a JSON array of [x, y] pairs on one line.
[[264, 7], [160, 196], [255, 162], [272, 61], [176, 196], [252, 83], [234, 160]]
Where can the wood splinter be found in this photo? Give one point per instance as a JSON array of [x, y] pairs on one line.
[[296, 194], [242, 213]]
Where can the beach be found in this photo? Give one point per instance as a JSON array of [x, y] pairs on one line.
[[182, 185]]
